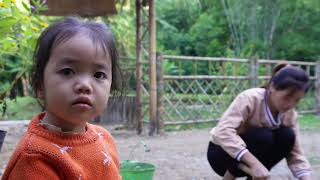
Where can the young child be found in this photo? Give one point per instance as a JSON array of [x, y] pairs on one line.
[[260, 128], [74, 70]]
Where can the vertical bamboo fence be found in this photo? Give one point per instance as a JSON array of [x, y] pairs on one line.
[[204, 97], [199, 89]]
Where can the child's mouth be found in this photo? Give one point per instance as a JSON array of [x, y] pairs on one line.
[[83, 103]]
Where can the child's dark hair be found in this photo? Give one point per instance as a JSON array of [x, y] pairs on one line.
[[64, 30], [285, 76]]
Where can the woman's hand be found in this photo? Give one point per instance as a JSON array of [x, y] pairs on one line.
[[254, 167], [256, 172], [260, 172]]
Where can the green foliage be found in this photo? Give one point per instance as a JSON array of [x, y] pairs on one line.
[[209, 34], [174, 19], [21, 108], [263, 29], [123, 27], [309, 122], [19, 30]]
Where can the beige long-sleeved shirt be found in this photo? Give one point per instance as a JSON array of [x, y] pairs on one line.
[[250, 110]]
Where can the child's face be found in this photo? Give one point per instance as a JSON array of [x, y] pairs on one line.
[[284, 100], [77, 81]]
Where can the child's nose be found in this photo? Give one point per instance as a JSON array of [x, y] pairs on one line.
[[83, 86]]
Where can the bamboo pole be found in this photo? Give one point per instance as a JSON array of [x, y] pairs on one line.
[[197, 58], [268, 61], [317, 86], [254, 72], [138, 113], [160, 109], [190, 121], [195, 68], [262, 61], [152, 61], [204, 77], [236, 69]]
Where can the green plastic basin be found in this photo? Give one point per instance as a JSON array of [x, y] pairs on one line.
[[135, 170]]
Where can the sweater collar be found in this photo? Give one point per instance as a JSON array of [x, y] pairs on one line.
[[57, 137]]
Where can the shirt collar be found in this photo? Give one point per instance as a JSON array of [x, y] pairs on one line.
[[274, 122]]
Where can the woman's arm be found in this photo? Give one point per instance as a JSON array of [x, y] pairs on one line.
[[297, 162], [225, 133]]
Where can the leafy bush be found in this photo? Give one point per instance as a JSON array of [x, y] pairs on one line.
[[21, 108], [19, 30]]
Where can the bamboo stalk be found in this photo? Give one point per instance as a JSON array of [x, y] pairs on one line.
[[138, 114], [204, 77], [197, 58], [153, 69], [195, 68], [160, 85], [236, 69], [268, 61], [190, 121], [317, 86]]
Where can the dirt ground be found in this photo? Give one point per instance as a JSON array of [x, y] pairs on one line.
[[177, 155]]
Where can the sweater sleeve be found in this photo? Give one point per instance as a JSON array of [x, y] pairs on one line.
[[31, 166], [225, 133], [296, 160], [109, 140], [113, 148]]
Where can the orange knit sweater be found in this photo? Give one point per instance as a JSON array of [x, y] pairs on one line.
[[44, 154]]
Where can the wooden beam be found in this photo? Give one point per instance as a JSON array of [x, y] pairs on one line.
[[85, 8], [138, 112], [160, 90], [152, 71]]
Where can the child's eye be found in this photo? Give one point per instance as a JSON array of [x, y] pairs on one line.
[[66, 72], [100, 75]]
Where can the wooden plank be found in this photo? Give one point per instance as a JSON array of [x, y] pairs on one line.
[[86, 8]]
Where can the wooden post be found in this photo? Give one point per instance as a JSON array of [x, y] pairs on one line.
[[317, 88], [138, 113], [152, 70], [160, 88], [254, 81]]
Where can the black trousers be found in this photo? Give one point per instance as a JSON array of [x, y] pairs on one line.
[[268, 146]]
